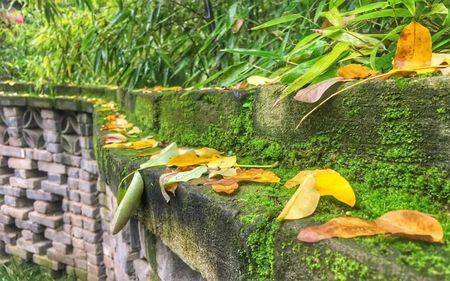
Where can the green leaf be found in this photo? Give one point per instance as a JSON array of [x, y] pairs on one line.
[[318, 68], [254, 52], [410, 5], [129, 203], [383, 14], [162, 158], [334, 17], [366, 8], [277, 21], [302, 43], [183, 176]]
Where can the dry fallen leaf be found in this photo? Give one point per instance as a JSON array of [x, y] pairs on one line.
[[413, 47], [345, 227], [226, 172], [256, 80], [228, 189], [328, 182], [114, 138], [237, 25], [304, 201], [411, 224], [136, 145], [255, 175], [404, 223], [223, 162], [190, 159], [313, 93], [355, 71], [134, 131], [207, 152]]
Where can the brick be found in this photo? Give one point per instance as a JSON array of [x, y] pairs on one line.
[[16, 142], [17, 202], [94, 259], [86, 129], [59, 236], [34, 237], [86, 142], [42, 195], [9, 237], [93, 248], [96, 270], [88, 154], [77, 232], [74, 195], [18, 252], [49, 114], [75, 207], [51, 221], [78, 243], [87, 186], [34, 247], [26, 174], [65, 258], [7, 228], [77, 220], [57, 178], [90, 211], [18, 163], [51, 125], [42, 155], [46, 207], [47, 262], [51, 167], [59, 189], [73, 183], [31, 183], [105, 213], [65, 206], [89, 166], [62, 248], [92, 237], [3, 161], [4, 179], [18, 213], [84, 118], [14, 191], [9, 151], [54, 147], [29, 225], [67, 218], [51, 136], [7, 220], [91, 224], [88, 198], [67, 159], [12, 111], [13, 121], [14, 132], [73, 172], [101, 186]]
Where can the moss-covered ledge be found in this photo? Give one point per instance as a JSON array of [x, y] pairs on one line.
[[389, 138]]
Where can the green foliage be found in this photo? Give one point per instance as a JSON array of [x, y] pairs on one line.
[[16, 270]]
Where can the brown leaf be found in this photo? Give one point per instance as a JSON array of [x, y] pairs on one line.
[[313, 93], [355, 71], [413, 47], [255, 175], [345, 227], [411, 224], [237, 25]]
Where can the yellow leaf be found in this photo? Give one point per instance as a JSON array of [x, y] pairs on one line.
[[142, 144], [413, 47], [189, 159], [134, 131], [228, 189], [355, 71], [304, 201], [223, 162], [227, 172], [255, 175], [256, 80], [207, 152], [440, 59], [328, 182]]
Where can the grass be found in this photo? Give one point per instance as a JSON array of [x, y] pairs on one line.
[[17, 270]]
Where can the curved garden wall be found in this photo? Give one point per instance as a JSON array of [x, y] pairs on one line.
[[389, 138]]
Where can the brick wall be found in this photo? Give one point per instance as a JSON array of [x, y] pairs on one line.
[[54, 209]]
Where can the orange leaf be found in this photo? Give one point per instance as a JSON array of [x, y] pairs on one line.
[[413, 47], [411, 224], [355, 71], [228, 189], [255, 175], [345, 227]]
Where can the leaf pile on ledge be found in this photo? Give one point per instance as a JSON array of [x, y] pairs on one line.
[[209, 167]]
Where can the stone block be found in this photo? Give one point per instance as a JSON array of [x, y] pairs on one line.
[[14, 191], [13, 121], [49, 114], [4, 178], [62, 248], [90, 211], [93, 248], [51, 167], [51, 136], [42, 155], [65, 206], [29, 225], [54, 147], [19, 163], [17, 202], [34, 237], [57, 178], [10, 236], [142, 270], [92, 237], [16, 142], [59, 236], [94, 259], [9, 151], [12, 111], [92, 225], [39, 247], [42, 195], [72, 183], [75, 207], [95, 269], [77, 232], [86, 142], [87, 186], [89, 166], [59, 189], [14, 132], [51, 221], [67, 159], [67, 218], [31, 183], [7, 228], [51, 125], [88, 154], [18, 252], [78, 243], [26, 174], [73, 172], [57, 255], [5, 219], [84, 175], [88, 198], [18, 213], [47, 262], [77, 220], [44, 207]]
